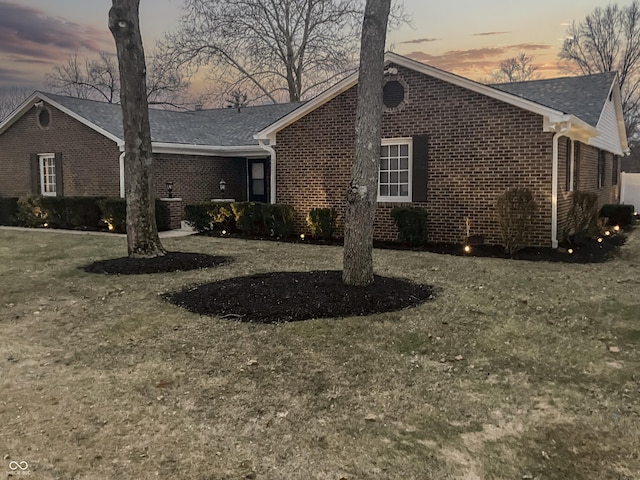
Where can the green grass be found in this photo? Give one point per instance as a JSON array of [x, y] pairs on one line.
[[508, 374]]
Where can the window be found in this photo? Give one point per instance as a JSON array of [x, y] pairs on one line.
[[47, 166], [395, 170], [601, 168], [614, 171]]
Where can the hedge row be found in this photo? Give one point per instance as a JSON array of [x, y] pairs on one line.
[[86, 213], [250, 218]]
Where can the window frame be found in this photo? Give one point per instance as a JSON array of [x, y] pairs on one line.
[[391, 142], [45, 186]]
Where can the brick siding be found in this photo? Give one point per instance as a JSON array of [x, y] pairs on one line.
[[90, 160], [478, 148]]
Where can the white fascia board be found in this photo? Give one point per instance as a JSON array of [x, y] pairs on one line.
[[269, 133], [23, 108], [77, 117], [208, 150], [577, 129]]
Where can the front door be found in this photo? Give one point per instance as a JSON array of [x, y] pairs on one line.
[[258, 191]]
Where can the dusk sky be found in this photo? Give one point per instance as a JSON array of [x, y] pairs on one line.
[[468, 37]]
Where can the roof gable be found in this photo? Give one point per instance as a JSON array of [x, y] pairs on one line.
[[225, 127], [583, 96]]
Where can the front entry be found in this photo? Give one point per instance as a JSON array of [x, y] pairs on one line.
[[258, 180]]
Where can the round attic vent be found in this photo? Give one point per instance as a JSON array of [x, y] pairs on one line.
[[393, 94], [44, 118]]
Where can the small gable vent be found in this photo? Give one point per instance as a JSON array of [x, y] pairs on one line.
[[393, 94], [44, 118]]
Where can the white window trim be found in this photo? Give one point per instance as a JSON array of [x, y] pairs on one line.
[[406, 198], [41, 158]]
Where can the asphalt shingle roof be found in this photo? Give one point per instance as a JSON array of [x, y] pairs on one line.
[[583, 97], [219, 127]]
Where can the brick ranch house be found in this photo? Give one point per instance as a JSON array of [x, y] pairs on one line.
[[450, 145], [57, 145]]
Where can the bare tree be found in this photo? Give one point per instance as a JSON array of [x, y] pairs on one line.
[[608, 40], [278, 50], [142, 231], [363, 189], [515, 69], [11, 98], [98, 79]]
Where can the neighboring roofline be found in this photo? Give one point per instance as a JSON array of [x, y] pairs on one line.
[[207, 150], [553, 115], [39, 96]]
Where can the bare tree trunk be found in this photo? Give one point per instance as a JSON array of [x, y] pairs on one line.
[[363, 189], [142, 231]]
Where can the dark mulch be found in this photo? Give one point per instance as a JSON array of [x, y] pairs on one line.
[[293, 296], [170, 262]]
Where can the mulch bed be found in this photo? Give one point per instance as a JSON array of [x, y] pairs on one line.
[[170, 262], [294, 296]]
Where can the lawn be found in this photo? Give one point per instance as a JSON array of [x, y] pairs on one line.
[[517, 370]]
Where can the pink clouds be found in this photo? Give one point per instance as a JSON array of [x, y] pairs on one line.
[[479, 62], [31, 36]]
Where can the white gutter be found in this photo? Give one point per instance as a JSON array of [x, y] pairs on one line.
[[122, 192], [561, 129], [272, 168]]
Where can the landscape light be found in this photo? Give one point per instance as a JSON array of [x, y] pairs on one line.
[[224, 232], [600, 239], [467, 249], [607, 233], [616, 228], [45, 225], [302, 236], [570, 251]]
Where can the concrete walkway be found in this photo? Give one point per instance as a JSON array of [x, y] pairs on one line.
[[183, 232]]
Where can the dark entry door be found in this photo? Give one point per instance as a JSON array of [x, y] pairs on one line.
[[258, 186]]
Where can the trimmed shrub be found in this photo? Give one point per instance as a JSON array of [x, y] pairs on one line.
[[515, 208], [322, 222], [250, 218], [279, 219], [61, 212], [208, 217], [618, 214], [114, 214], [582, 219], [9, 211], [412, 225]]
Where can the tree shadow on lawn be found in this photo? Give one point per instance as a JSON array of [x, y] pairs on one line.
[[170, 262], [281, 297]]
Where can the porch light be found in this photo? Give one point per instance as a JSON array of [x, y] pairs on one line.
[[169, 189], [223, 185]]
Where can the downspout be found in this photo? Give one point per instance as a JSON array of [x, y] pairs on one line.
[[121, 165], [272, 169], [561, 129]]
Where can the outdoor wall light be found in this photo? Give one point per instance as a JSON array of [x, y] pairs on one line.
[[169, 189], [223, 185]]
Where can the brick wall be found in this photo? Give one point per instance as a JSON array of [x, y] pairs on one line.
[[587, 163], [197, 178], [90, 160], [478, 147]]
